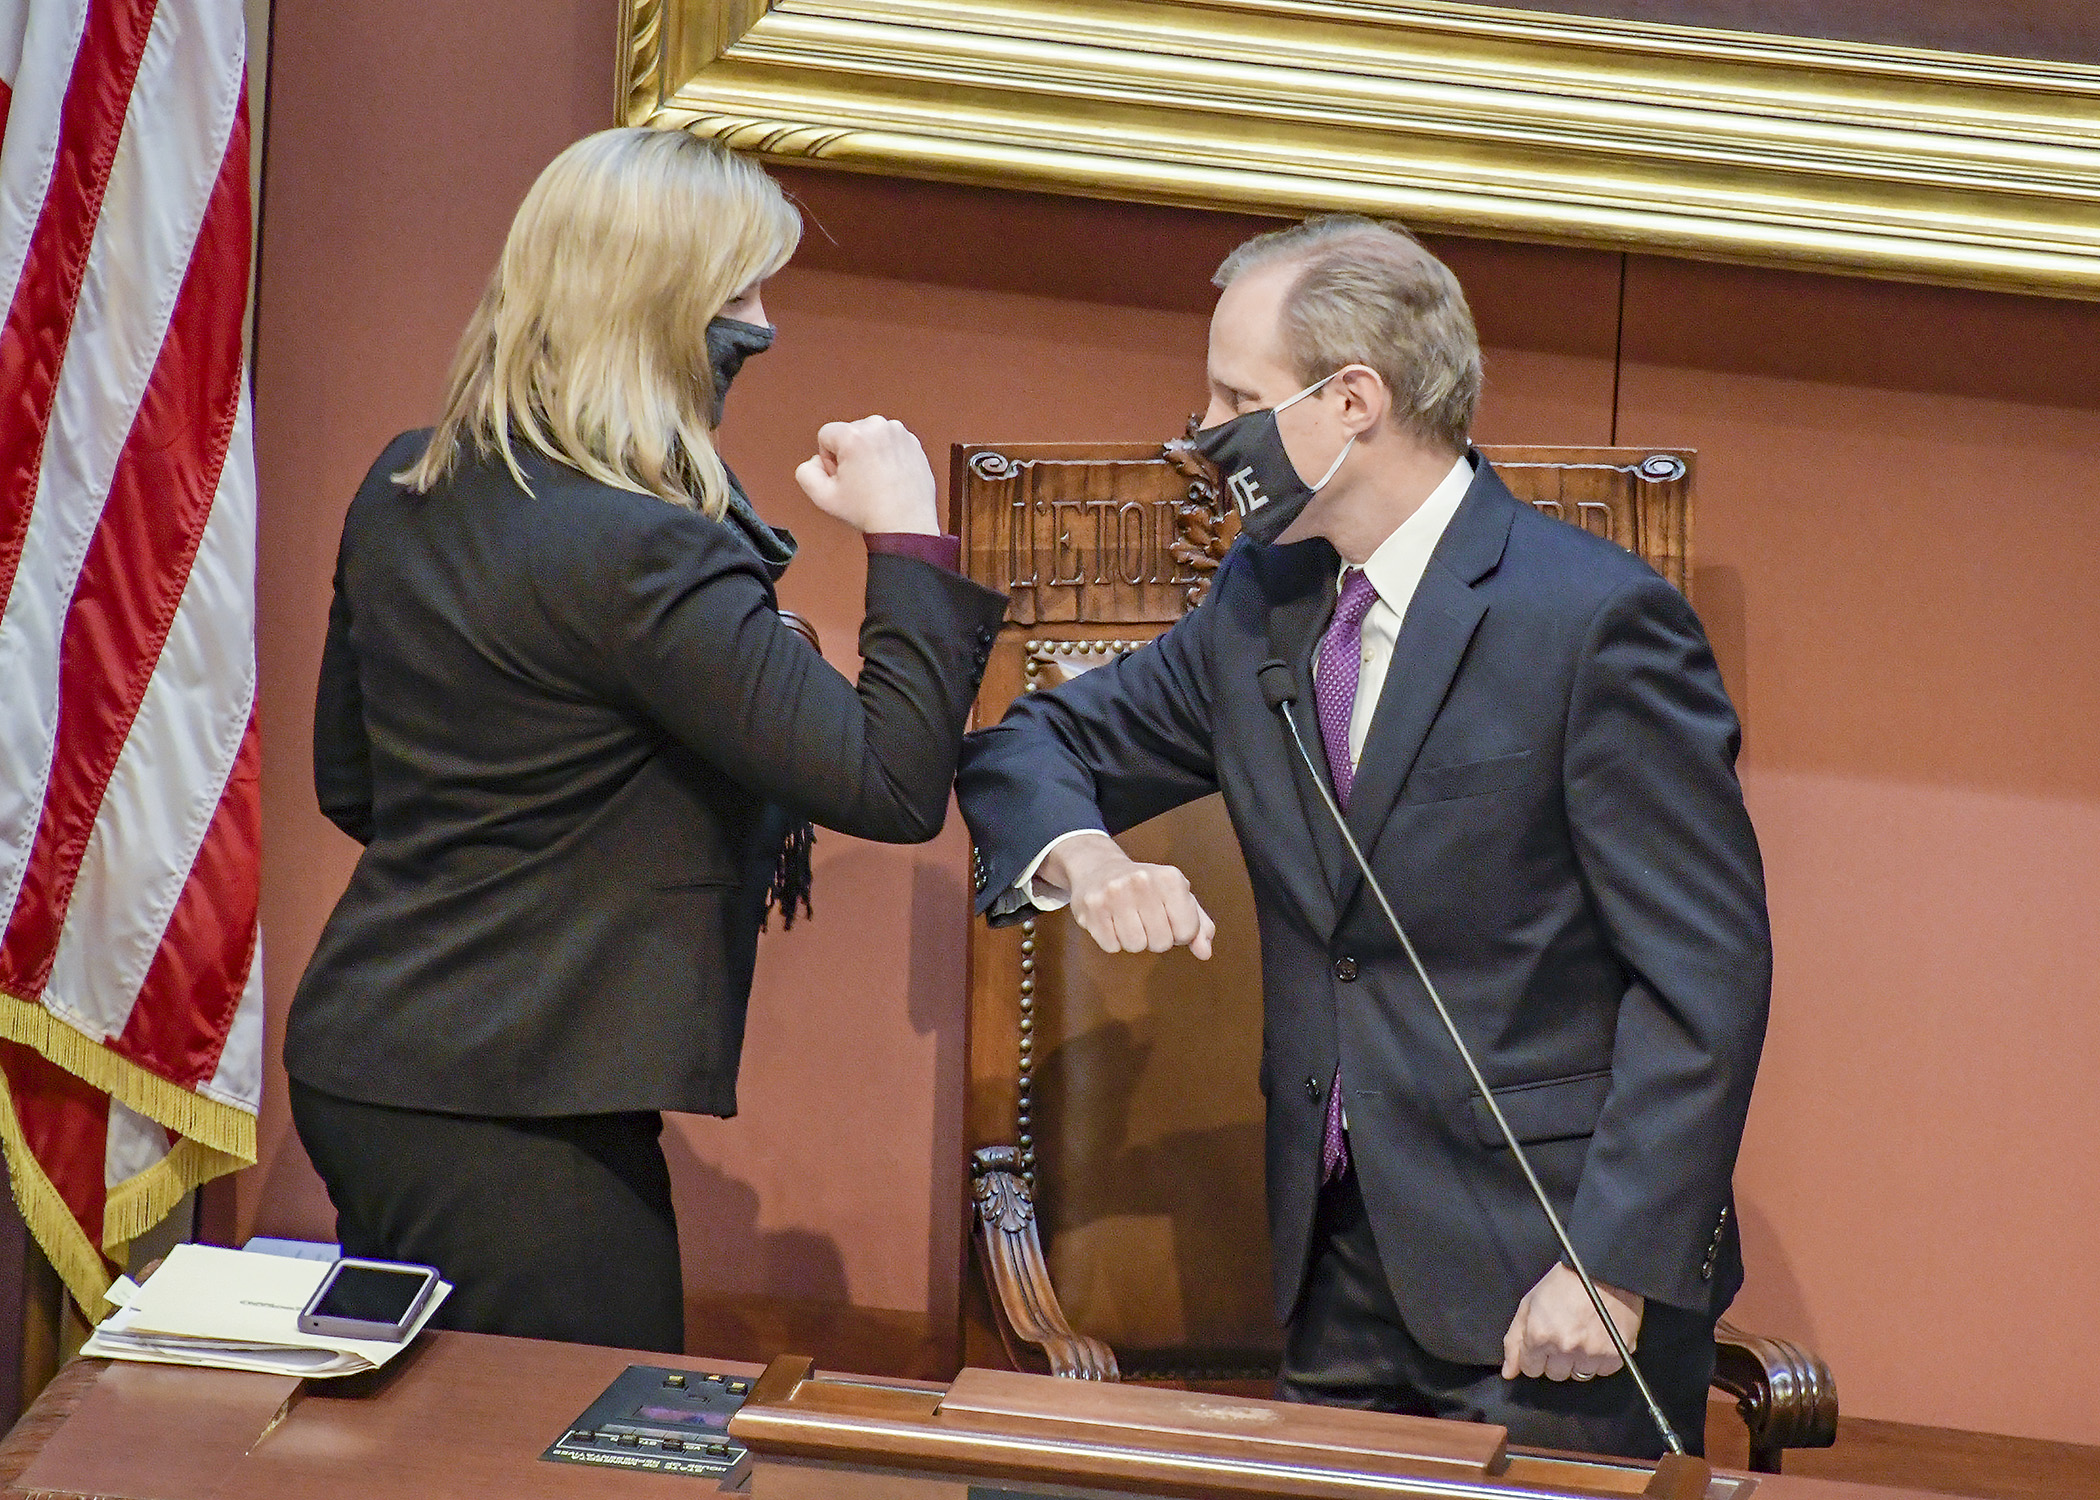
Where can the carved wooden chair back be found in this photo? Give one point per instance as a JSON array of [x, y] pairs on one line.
[[1114, 1115]]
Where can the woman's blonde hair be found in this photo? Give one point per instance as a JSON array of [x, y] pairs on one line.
[[590, 343]]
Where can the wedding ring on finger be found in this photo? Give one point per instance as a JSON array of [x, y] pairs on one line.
[[1585, 1374]]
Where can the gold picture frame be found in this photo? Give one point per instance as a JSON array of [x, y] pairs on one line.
[[1541, 126]]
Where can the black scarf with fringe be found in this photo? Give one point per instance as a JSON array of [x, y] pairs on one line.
[[789, 890]]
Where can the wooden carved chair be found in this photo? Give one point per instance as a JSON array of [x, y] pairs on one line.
[[1114, 1116]]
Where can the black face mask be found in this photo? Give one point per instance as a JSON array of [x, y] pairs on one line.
[[1258, 473], [729, 344]]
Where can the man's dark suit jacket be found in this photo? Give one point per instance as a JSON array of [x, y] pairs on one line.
[[564, 725], [1548, 796]]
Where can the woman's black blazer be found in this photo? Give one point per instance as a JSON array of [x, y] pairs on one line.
[[563, 724]]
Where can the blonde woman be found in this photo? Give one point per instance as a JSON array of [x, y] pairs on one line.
[[560, 710]]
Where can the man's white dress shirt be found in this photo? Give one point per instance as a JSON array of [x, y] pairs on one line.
[[1395, 571]]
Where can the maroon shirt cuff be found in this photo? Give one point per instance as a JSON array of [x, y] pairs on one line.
[[941, 551]]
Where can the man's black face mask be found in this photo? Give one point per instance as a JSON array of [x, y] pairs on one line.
[[1258, 473], [729, 344]]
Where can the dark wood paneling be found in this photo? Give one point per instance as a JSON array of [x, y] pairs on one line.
[[15, 1299], [39, 1325]]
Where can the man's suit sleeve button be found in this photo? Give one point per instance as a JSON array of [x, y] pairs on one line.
[[1713, 1248]]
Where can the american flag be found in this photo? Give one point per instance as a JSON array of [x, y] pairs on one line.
[[130, 815]]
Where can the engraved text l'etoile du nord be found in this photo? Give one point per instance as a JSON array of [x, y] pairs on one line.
[[1126, 541]]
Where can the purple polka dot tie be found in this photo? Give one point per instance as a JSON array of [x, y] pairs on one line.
[[1334, 693]]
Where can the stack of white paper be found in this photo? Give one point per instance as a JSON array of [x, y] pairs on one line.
[[235, 1310]]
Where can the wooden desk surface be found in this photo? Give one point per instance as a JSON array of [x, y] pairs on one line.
[[464, 1417]]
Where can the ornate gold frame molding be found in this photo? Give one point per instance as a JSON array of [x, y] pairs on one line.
[[1768, 150]]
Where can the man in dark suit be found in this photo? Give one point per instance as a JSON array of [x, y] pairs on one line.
[[1530, 738]]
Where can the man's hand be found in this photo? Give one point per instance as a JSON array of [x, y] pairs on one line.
[[1556, 1332], [1124, 906], [873, 475]]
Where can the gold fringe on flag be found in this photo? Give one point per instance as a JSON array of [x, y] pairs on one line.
[[138, 1203], [225, 1128], [214, 1138], [129, 1209], [78, 1263]]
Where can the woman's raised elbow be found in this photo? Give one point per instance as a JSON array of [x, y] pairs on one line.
[[892, 812], [911, 822]]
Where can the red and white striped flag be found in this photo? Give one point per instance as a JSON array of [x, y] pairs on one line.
[[130, 969]]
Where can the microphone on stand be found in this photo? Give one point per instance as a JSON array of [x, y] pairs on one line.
[[1280, 691]]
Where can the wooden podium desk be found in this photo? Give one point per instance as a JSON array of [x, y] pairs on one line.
[[466, 1417]]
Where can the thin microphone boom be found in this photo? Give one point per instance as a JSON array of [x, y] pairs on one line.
[[1278, 689]]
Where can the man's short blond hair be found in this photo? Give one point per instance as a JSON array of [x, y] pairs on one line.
[[1367, 293]]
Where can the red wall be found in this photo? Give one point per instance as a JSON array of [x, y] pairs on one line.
[[1897, 503], [400, 139], [1894, 524]]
